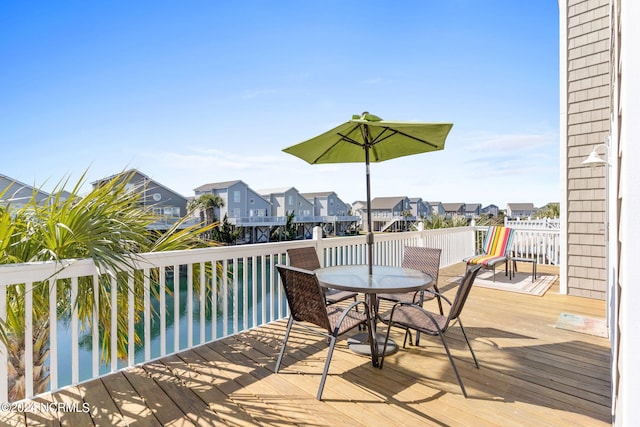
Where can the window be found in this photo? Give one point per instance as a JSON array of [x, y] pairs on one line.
[[172, 211], [236, 196]]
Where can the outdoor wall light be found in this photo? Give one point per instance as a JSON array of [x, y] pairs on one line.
[[594, 158]]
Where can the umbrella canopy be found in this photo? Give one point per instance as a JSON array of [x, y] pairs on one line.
[[367, 138]]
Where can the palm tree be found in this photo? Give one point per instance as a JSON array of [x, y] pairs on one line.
[[551, 210], [108, 225], [207, 205]]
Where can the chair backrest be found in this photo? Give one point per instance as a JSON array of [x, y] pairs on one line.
[[498, 241], [306, 258], [426, 260], [304, 296], [462, 293]]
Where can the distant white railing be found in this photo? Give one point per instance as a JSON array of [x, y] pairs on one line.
[[538, 223], [543, 244], [247, 294]]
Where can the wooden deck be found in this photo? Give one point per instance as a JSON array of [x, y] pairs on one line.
[[530, 374]]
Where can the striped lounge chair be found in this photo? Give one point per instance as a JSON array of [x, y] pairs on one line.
[[496, 250]]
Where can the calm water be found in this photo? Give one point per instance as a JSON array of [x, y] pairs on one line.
[[64, 332]]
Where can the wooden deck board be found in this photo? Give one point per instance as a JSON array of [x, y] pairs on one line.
[[530, 374]]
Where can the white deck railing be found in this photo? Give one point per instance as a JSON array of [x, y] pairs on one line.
[[248, 294]]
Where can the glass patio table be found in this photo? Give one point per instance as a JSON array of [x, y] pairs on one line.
[[383, 280]]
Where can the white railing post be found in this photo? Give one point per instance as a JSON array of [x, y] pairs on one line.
[[4, 359]]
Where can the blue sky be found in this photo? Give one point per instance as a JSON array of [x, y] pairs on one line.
[[193, 92]]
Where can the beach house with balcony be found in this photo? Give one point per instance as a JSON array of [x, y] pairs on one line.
[[419, 208], [163, 201], [472, 210], [244, 207], [520, 210], [287, 200], [453, 209], [391, 213], [491, 210], [16, 194], [332, 213], [436, 208]]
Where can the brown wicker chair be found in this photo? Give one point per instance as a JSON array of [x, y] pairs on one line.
[[426, 260], [412, 316], [307, 258], [307, 305]]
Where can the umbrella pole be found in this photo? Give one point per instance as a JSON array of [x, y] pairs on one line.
[[369, 222]]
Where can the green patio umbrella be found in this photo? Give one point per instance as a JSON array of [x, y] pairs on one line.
[[367, 138]]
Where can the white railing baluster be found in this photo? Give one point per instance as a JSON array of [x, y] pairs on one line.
[[235, 296], [225, 299], [146, 283], [263, 275], [176, 308], [214, 301], [273, 286], [53, 333], [4, 359], [203, 302], [75, 365], [189, 313], [130, 319], [28, 339], [245, 293], [114, 323], [254, 288], [162, 278], [95, 327]]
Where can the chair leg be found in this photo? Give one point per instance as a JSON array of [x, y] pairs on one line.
[[446, 347], [284, 343], [326, 368], [384, 348], [439, 300], [464, 334], [407, 333]]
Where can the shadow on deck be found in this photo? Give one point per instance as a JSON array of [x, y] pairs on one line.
[[530, 374]]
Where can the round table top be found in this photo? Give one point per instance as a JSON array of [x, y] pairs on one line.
[[384, 279]]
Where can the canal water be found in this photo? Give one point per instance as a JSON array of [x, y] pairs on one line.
[[84, 354]]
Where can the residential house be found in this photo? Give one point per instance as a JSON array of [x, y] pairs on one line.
[[520, 210], [244, 208], [419, 208], [332, 213], [391, 214], [437, 208], [163, 201], [453, 209], [285, 201], [599, 113], [472, 210], [16, 194], [491, 211], [359, 209]]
